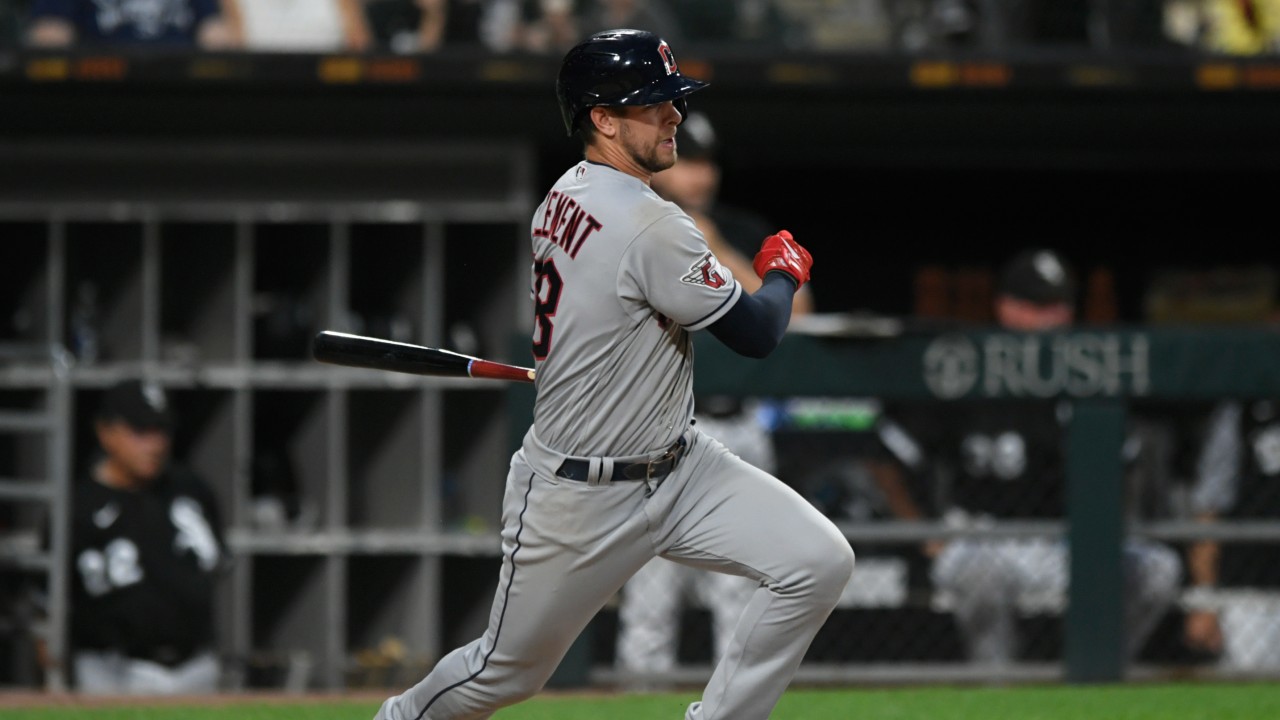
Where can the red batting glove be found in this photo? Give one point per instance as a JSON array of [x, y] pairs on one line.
[[782, 252]]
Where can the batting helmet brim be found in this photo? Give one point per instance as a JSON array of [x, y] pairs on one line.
[[673, 88]]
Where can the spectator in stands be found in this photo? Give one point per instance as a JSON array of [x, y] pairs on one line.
[[1234, 597], [979, 462], [423, 26], [652, 15], [995, 25], [449, 23], [742, 22], [158, 24], [548, 26], [299, 25], [1234, 27], [146, 553]]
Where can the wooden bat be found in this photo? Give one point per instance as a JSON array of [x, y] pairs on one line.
[[338, 348]]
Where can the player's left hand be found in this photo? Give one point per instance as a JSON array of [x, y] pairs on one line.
[[781, 252]]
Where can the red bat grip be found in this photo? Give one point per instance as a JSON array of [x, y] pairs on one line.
[[499, 371]]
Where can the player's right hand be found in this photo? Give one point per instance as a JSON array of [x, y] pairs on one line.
[[782, 253]]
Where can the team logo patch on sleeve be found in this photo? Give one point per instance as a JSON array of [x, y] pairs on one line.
[[706, 271]]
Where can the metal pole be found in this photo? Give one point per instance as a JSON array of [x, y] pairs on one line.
[[1095, 633]]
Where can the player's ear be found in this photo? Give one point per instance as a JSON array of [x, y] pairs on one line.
[[604, 121]]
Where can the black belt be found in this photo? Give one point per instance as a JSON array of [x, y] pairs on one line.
[[660, 467]]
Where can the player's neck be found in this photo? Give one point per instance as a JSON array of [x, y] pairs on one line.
[[618, 159], [113, 475]]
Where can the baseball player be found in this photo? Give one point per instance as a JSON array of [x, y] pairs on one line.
[[613, 472], [1003, 460], [146, 551]]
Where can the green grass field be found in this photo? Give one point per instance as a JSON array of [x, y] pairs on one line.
[[1185, 701]]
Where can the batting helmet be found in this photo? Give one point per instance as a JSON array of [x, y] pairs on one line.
[[620, 67]]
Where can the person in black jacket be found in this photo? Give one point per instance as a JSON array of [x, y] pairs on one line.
[[146, 551]]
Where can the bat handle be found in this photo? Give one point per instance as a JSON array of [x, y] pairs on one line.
[[478, 368]]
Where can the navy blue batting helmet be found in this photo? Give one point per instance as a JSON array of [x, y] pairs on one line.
[[620, 67]]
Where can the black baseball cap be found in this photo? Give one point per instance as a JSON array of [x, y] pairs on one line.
[[142, 405], [696, 138], [1039, 276]]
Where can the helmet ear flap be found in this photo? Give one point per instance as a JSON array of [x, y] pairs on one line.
[[682, 107]]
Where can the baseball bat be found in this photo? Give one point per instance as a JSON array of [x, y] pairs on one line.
[[338, 348]]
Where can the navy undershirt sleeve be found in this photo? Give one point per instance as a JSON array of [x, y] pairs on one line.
[[755, 324]]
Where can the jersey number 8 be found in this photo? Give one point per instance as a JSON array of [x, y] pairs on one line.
[[546, 297]]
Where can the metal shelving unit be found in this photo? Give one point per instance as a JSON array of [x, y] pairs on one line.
[[331, 479]]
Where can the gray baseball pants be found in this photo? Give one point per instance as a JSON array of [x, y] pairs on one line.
[[568, 547]]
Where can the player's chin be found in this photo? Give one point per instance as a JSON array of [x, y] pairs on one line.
[[662, 159]]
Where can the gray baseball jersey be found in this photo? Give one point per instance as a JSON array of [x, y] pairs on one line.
[[620, 277]]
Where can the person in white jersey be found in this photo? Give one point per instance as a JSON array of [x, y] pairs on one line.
[[613, 472]]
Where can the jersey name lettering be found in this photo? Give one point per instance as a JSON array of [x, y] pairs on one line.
[[565, 223]]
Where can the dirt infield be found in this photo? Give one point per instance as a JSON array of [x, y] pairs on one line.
[[24, 699], [17, 699]]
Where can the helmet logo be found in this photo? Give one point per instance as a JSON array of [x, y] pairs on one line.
[[668, 58]]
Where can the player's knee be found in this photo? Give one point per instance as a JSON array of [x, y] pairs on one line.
[[831, 571], [500, 683]]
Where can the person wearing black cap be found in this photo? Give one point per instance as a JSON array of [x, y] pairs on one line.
[[146, 552], [1036, 291], [993, 460]]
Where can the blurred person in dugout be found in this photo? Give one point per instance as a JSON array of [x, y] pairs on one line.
[[158, 24], [651, 603], [1233, 598], [981, 462], [146, 553]]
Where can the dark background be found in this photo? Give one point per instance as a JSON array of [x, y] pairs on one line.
[[876, 174]]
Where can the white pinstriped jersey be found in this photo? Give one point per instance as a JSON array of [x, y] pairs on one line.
[[619, 279]]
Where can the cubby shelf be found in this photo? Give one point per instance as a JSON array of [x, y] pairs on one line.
[[338, 485]]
